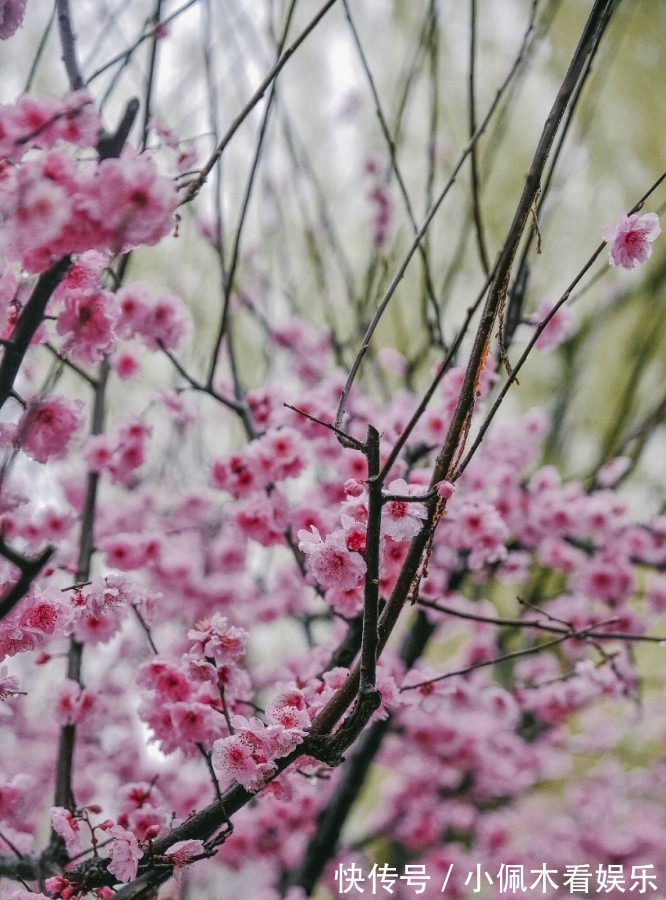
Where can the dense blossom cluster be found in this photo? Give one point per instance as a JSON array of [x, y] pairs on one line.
[[509, 522], [209, 593]]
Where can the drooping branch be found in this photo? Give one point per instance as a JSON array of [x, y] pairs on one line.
[[256, 97], [423, 230]]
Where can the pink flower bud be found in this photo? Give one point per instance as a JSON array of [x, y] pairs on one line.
[[445, 489], [353, 487]]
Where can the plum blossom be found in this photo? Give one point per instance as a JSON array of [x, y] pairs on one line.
[[181, 853], [402, 520], [67, 826], [130, 202], [631, 238], [156, 320], [330, 561], [124, 853], [557, 328], [47, 427], [9, 684], [11, 16], [242, 757], [87, 323]]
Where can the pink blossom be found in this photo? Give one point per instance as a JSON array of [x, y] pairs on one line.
[[48, 426], [330, 561], [241, 758], [129, 202], [67, 826], [124, 853], [630, 239], [156, 320], [557, 328], [216, 638], [125, 364], [196, 722], [38, 208], [11, 16], [613, 470], [263, 518], [9, 684], [445, 489], [401, 519], [87, 323], [181, 853], [73, 704]]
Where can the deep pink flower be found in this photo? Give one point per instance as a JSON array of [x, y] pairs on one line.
[[631, 239], [47, 427], [87, 323]]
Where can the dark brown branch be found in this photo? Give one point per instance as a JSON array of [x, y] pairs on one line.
[[64, 795], [324, 842], [30, 567], [372, 558], [68, 44], [29, 321], [474, 156], [542, 626]]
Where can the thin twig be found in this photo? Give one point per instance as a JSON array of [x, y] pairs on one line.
[[207, 168], [512, 377], [397, 278]]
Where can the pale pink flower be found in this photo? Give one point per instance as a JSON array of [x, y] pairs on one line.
[[194, 722], [125, 364], [402, 520], [631, 239], [263, 519], [557, 328], [72, 704], [613, 470], [330, 561], [9, 684], [181, 853], [160, 320], [240, 757], [11, 16], [37, 207], [445, 489], [124, 853], [67, 826]]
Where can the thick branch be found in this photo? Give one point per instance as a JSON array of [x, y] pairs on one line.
[[29, 321], [68, 44], [324, 842], [30, 568]]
